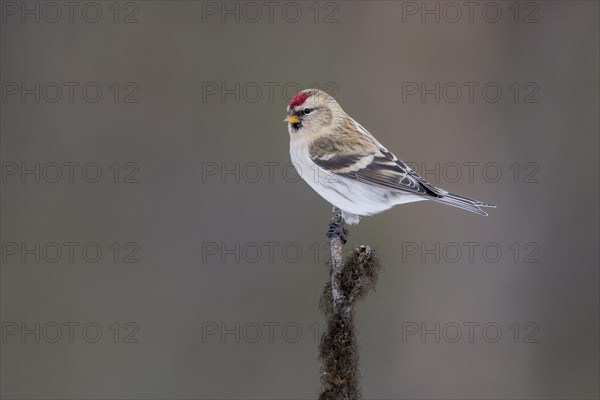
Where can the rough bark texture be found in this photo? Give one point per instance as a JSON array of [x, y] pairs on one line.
[[350, 281]]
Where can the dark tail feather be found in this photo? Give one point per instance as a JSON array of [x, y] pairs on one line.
[[465, 203]]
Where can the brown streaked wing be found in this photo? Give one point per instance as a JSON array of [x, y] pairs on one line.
[[378, 168]]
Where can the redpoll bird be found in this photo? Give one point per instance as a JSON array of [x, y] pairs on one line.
[[348, 167]]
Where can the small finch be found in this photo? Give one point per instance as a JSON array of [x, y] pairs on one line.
[[349, 168]]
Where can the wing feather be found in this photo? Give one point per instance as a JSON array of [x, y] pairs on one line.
[[377, 167]]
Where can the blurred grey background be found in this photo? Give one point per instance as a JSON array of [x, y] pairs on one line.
[[212, 253]]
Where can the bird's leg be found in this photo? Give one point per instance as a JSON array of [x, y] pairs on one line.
[[337, 229]]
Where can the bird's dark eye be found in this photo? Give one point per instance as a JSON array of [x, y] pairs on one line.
[[307, 110]]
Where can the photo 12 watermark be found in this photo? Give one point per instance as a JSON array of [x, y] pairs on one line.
[[477, 171], [72, 172], [469, 332], [70, 92], [527, 92], [470, 252], [453, 12], [69, 12], [70, 252], [70, 332], [253, 12]]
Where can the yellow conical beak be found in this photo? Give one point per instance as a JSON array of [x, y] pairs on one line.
[[292, 119]]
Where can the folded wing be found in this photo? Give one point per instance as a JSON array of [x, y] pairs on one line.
[[375, 166]]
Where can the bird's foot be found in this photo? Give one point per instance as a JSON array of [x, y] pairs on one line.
[[337, 230]]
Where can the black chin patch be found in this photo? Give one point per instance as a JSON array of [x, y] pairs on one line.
[[297, 125]]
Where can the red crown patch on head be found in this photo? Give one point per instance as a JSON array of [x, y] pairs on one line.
[[298, 99]]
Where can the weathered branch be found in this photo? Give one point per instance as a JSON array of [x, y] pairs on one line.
[[350, 281], [336, 246]]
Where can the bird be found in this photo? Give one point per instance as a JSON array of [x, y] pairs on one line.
[[349, 168]]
